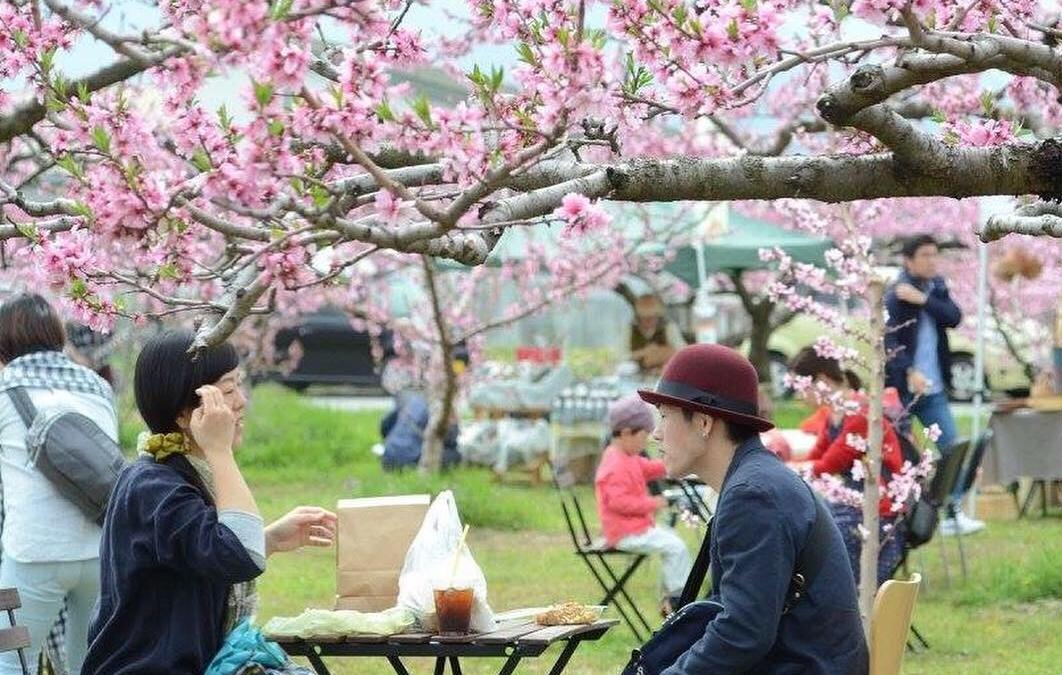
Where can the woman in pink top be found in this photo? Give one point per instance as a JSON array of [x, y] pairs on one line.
[[626, 509]]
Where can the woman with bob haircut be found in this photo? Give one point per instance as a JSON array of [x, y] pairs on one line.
[[182, 539], [50, 547]]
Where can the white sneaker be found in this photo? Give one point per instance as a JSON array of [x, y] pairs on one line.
[[967, 524], [960, 524], [948, 527]]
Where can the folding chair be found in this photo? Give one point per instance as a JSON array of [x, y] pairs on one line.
[[596, 556], [15, 637], [893, 607]]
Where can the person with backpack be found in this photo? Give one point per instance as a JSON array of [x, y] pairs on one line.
[[839, 448], [50, 544], [782, 595], [183, 540]]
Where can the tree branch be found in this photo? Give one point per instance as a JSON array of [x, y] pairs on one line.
[[1038, 219]]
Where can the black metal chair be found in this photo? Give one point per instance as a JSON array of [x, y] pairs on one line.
[[15, 638], [596, 556], [941, 486]]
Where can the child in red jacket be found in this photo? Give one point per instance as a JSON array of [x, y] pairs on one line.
[[626, 509]]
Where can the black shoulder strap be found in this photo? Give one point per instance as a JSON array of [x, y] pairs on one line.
[[809, 561], [699, 570], [23, 405]]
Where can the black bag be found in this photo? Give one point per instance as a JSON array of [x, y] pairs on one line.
[[921, 522], [686, 626], [73, 453]]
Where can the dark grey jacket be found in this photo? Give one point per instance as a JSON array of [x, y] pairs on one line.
[[764, 516]]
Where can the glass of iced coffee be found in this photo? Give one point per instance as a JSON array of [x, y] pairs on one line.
[[453, 609]]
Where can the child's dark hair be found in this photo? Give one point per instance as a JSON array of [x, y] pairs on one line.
[[29, 324]]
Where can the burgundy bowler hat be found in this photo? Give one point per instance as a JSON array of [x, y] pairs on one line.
[[711, 379]]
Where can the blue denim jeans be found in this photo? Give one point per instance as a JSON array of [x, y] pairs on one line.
[[935, 409]]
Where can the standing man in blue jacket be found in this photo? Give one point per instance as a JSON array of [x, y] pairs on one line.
[[708, 398], [920, 312]]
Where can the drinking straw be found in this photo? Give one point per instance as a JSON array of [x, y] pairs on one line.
[[457, 556]]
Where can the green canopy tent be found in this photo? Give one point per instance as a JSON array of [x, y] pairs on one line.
[[738, 248]]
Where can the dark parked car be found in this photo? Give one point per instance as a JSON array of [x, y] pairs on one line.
[[332, 352]]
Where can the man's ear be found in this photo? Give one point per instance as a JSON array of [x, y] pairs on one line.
[[706, 423]]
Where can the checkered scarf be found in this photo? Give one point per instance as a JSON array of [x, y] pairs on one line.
[[53, 370]]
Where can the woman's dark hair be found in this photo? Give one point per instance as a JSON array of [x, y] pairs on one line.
[[911, 245], [808, 363], [854, 381], [167, 377], [28, 323]]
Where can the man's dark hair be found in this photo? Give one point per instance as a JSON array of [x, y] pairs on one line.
[[912, 244], [167, 377], [808, 363], [28, 323], [735, 431]]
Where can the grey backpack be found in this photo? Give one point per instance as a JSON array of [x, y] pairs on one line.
[[72, 452]]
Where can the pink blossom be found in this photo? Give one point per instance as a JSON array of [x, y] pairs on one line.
[[932, 432]]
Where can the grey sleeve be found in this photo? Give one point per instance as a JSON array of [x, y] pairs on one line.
[[250, 530]]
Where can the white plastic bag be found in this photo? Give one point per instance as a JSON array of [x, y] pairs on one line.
[[430, 565]]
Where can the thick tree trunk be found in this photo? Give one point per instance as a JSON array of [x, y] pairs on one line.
[[868, 562]]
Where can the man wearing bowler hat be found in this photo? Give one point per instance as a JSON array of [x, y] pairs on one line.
[[778, 563]]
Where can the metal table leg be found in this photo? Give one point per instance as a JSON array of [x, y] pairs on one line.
[[510, 664], [396, 663], [440, 665], [565, 656], [455, 665], [318, 664]]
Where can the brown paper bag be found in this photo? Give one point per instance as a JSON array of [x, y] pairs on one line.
[[374, 535]]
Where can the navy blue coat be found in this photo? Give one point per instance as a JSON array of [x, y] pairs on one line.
[[763, 518], [166, 568], [901, 338]]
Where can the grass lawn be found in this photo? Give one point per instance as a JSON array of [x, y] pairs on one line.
[[1006, 618]]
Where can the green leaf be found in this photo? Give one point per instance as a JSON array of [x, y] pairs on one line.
[[48, 59], [732, 29], [70, 165], [319, 195], [78, 289], [939, 117], [988, 102], [679, 14], [422, 107], [201, 160], [263, 92], [476, 76], [993, 23], [280, 9], [337, 95], [27, 230], [101, 139], [526, 54], [749, 5], [20, 38], [82, 92], [384, 112], [497, 76], [276, 127], [167, 271], [223, 118], [82, 209]]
